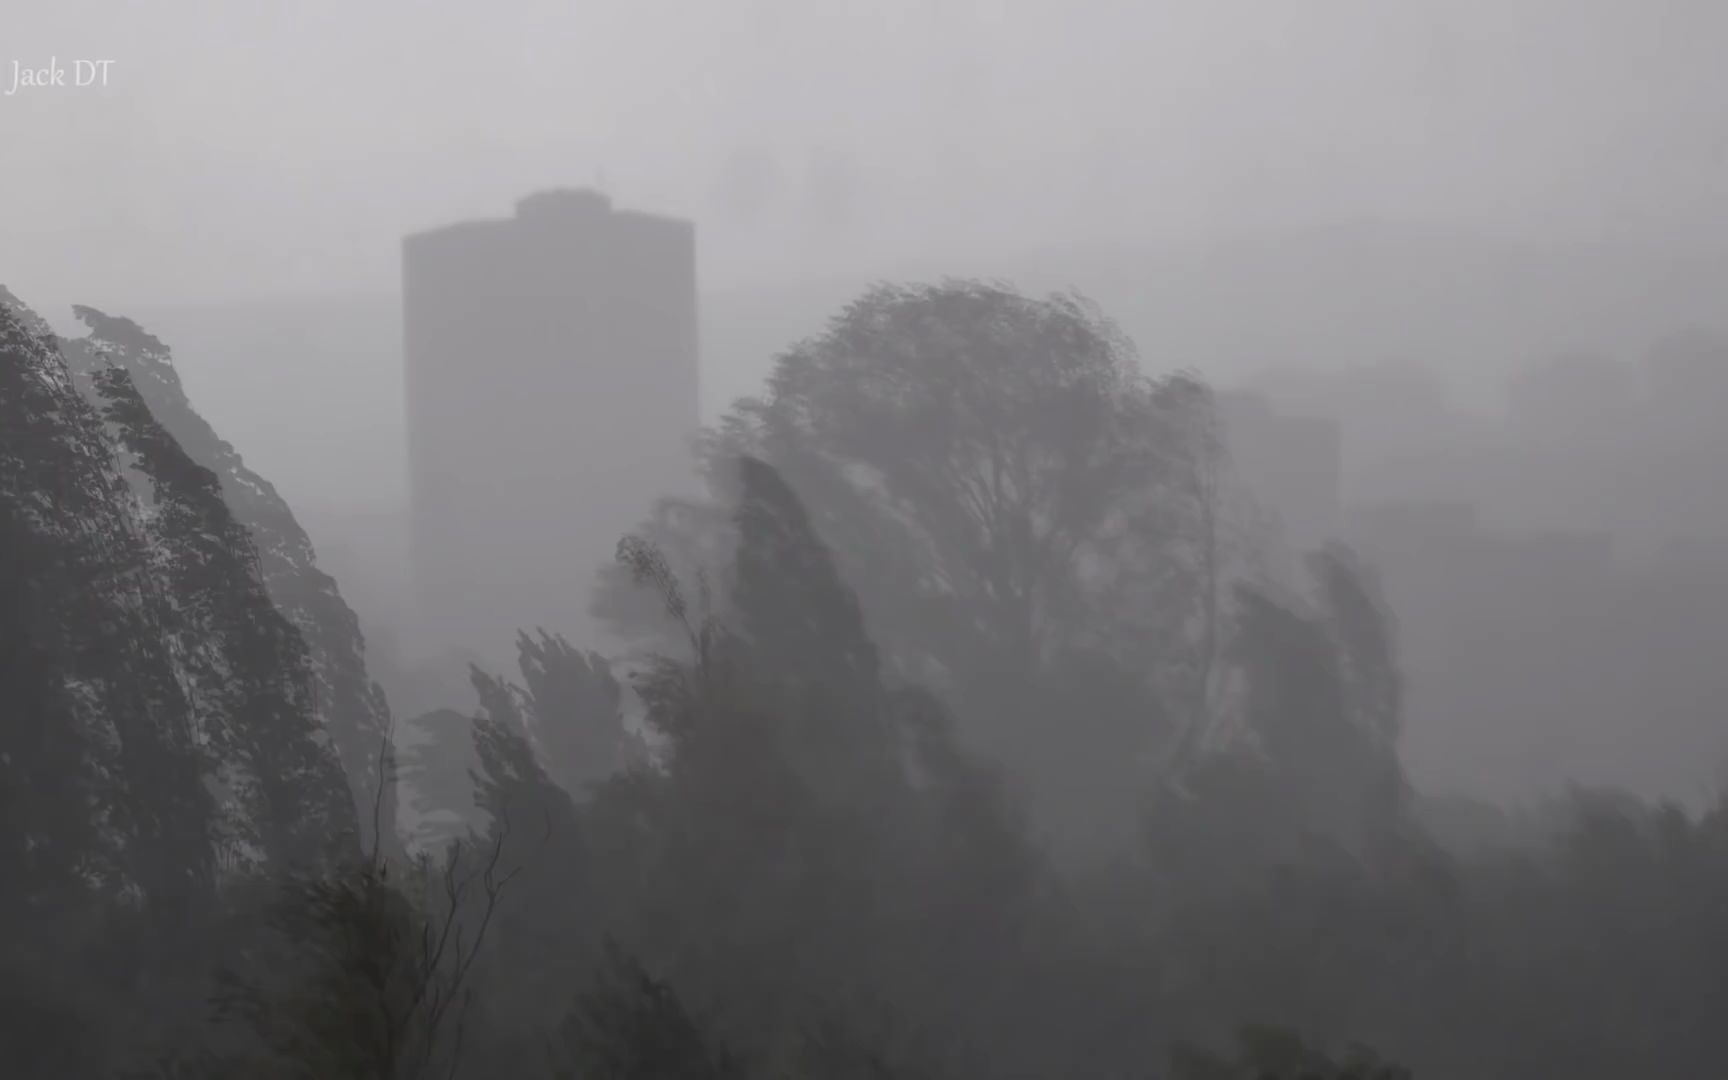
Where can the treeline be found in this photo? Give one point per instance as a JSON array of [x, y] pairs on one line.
[[970, 733]]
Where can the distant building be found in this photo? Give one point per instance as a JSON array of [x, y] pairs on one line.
[[1413, 528], [1527, 656], [551, 366], [1291, 466]]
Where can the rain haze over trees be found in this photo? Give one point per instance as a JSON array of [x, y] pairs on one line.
[[916, 540]]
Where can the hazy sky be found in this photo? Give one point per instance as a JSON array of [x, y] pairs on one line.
[[256, 148], [248, 147]]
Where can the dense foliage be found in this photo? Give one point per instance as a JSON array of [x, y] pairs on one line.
[[962, 744]]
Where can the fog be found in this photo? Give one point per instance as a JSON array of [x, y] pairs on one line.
[[277, 150], [272, 149], [878, 520]]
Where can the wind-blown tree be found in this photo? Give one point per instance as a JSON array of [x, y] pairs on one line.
[[99, 769], [345, 701], [157, 730], [103, 815], [50, 827], [1365, 636], [437, 768], [1311, 767], [573, 708], [531, 823], [282, 798], [1600, 954], [1007, 492], [365, 973], [512, 777], [810, 819], [563, 725], [512, 773], [1295, 826], [632, 1026]]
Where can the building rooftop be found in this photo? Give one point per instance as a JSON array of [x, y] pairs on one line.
[[555, 206], [563, 203]]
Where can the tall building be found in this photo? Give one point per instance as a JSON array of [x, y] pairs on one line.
[[551, 364]]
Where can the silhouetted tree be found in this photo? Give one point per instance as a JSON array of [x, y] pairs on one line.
[[368, 972], [284, 799], [632, 1026], [346, 704], [574, 712], [438, 763], [99, 764], [991, 471], [1314, 762]]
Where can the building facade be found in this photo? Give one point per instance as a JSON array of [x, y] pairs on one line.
[[1290, 466], [552, 391]]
